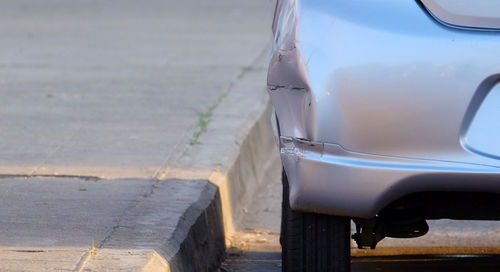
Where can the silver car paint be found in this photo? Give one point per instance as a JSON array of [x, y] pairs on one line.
[[326, 178], [466, 13], [385, 81]]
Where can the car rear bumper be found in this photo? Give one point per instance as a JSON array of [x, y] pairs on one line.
[[325, 178]]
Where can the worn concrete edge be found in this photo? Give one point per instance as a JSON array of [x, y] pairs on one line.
[[198, 239], [196, 243]]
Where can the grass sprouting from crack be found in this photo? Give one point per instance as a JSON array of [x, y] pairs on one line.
[[205, 117], [93, 249], [244, 70]]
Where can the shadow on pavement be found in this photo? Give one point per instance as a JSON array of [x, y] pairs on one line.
[[441, 263], [271, 261]]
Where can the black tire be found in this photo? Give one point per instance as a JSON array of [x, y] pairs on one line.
[[313, 242]]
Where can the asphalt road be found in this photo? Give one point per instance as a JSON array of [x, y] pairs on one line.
[[256, 247]]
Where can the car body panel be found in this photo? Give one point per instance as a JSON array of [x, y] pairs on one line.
[[380, 78], [466, 13], [475, 139]]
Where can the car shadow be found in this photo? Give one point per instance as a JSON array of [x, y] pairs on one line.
[[271, 261], [429, 263]]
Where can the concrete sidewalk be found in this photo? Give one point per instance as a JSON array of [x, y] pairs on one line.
[[116, 88], [122, 124]]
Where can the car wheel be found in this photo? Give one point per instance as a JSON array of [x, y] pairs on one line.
[[313, 242]]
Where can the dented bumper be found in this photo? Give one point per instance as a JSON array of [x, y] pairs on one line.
[[326, 178], [388, 101]]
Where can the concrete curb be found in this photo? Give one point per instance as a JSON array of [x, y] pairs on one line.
[[232, 156], [231, 172], [199, 235], [233, 187]]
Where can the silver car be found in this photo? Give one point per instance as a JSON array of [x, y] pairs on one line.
[[388, 114]]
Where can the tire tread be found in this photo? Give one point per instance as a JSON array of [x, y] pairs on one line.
[[313, 242]]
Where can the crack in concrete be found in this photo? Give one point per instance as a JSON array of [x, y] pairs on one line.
[[86, 258], [205, 117], [133, 205]]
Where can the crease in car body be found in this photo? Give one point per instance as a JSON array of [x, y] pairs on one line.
[[288, 80]]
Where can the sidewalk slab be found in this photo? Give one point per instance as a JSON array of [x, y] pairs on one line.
[[140, 220]]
